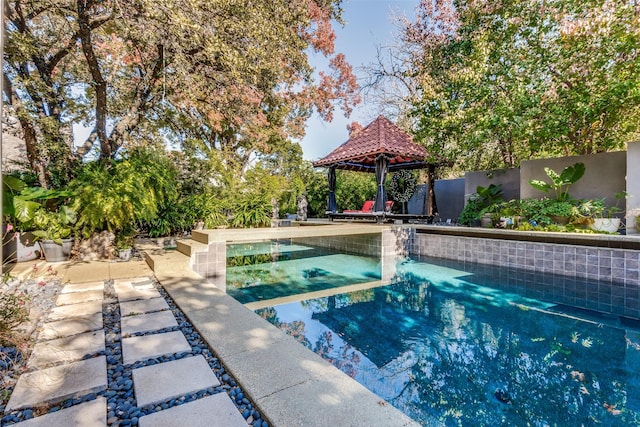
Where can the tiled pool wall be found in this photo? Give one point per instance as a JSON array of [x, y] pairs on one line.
[[212, 263], [366, 244], [595, 278]]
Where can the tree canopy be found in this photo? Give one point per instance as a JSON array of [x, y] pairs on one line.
[[223, 79], [502, 81]]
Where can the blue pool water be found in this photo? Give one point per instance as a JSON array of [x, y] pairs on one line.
[[448, 347], [267, 270]]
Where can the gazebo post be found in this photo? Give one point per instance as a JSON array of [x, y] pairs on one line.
[[332, 205], [382, 163]]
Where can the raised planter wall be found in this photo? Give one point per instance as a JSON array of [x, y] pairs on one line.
[[604, 175]]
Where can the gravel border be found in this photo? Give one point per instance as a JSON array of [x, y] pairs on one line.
[[122, 409]]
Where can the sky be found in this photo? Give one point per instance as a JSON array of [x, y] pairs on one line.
[[368, 23]]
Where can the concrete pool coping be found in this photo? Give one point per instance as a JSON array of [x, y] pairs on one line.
[[290, 384]]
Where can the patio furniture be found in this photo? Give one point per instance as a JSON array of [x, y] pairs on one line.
[[367, 207]]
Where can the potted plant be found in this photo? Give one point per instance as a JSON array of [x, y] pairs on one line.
[[55, 233], [475, 210], [43, 212], [604, 219], [558, 211], [124, 246]]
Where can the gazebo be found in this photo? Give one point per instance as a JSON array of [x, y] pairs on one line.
[[380, 147]]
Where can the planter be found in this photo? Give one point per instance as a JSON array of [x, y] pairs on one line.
[[28, 248], [124, 254], [486, 221], [54, 252], [9, 246], [609, 225]]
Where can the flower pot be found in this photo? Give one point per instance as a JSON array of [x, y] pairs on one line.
[[28, 249], [561, 220], [124, 254], [54, 252], [609, 225], [486, 221], [9, 245]]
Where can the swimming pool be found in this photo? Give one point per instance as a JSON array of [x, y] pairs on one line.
[[448, 347], [267, 270]]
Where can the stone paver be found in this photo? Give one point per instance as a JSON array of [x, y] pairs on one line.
[[59, 382], [80, 296], [87, 414], [164, 381], [127, 292], [129, 308], [79, 287], [216, 410], [68, 327], [146, 347], [136, 282], [147, 322], [75, 310], [67, 349]]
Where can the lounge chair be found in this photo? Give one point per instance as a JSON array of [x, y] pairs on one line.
[[367, 207], [388, 206]]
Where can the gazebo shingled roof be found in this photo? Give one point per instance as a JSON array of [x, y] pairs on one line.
[[380, 147], [380, 137]]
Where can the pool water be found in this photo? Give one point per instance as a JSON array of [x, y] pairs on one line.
[[447, 348], [267, 270]]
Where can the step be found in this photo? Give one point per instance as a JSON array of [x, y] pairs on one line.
[[200, 236], [190, 247], [167, 261]]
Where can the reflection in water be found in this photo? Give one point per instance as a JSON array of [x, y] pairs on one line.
[[449, 353]]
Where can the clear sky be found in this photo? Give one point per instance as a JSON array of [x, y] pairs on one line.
[[368, 23]]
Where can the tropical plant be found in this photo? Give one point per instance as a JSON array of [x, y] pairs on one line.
[[251, 210], [484, 200], [45, 212], [560, 182], [471, 211], [116, 195]]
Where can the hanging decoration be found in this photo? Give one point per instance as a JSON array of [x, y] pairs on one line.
[[402, 186]]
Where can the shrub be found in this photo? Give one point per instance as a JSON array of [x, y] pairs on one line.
[[483, 200], [13, 312], [115, 196]]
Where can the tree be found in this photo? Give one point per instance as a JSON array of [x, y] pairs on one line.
[[506, 81], [222, 78]]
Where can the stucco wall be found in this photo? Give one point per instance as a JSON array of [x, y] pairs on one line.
[[450, 198], [604, 175], [508, 178], [633, 186]]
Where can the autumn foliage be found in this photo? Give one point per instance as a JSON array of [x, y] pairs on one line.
[[224, 79]]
